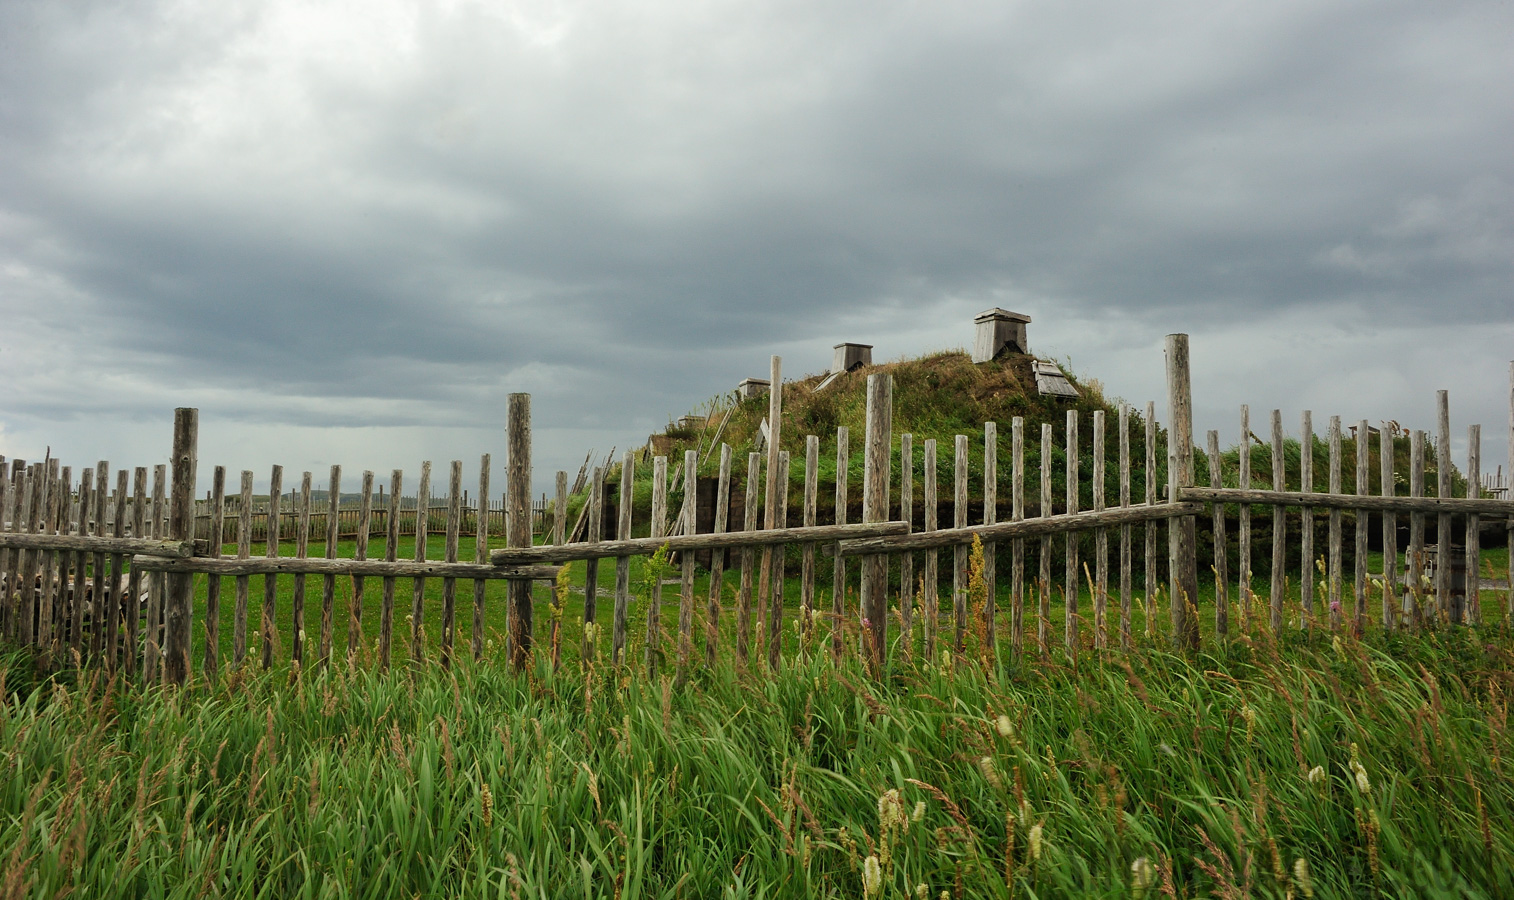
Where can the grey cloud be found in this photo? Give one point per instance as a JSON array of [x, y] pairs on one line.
[[396, 216]]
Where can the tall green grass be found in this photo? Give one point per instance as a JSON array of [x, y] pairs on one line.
[[1379, 765]]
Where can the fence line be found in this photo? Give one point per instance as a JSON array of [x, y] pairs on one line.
[[77, 560]]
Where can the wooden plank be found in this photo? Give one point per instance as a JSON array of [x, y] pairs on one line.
[[659, 529], [1150, 556], [1101, 541], [1450, 506], [959, 551], [1334, 575], [418, 586], [1183, 532], [8, 577], [770, 501], [591, 566], [153, 660], [932, 575], [1017, 546], [689, 514], [1279, 528], [1359, 529], [717, 556], [623, 562], [877, 472], [896, 540], [907, 560], [33, 493], [360, 552], [1243, 535], [838, 571], [1474, 538], [1125, 555], [213, 585], [179, 615], [744, 591], [1306, 575], [775, 607], [990, 548], [115, 601], [88, 543], [560, 537], [328, 584], [313, 565], [1070, 542], [1221, 579], [518, 507], [31, 514], [1386, 487], [10, 522], [1443, 521], [480, 555], [807, 552], [1416, 560], [52, 506], [301, 551], [450, 549], [132, 607], [1043, 626], [391, 554], [75, 592]]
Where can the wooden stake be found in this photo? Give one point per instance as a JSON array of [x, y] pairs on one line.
[[877, 473], [518, 493], [1185, 626]]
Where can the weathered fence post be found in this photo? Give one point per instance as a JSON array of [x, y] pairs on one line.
[[518, 532], [181, 524], [876, 473], [770, 502], [1182, 536]]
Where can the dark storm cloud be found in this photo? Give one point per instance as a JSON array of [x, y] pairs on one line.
[[394, 215]]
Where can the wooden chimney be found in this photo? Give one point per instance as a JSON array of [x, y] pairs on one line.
[[999, 331]]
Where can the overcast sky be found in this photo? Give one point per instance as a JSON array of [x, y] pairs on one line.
[[345, 232]]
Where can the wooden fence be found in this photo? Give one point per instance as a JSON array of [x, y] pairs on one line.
[[107, 575]]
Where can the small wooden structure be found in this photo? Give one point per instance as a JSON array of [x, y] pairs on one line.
[[999, 331], [851, 356], [1051, 381], [753, 387]]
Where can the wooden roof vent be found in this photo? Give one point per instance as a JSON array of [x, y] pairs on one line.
[[999, 331]]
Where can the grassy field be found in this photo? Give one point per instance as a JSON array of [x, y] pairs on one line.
[[1313, 767]]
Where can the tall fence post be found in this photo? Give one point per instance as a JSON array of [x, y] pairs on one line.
[[765, 585], [877, 471], [518, 530], [1182, 536], [181, 524]]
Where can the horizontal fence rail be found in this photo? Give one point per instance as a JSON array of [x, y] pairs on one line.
[[133, 576]]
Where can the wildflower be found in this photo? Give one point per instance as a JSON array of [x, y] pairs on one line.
[[302, 634], [1249, 715], [919, 812], [1005, 727], [872, 877], [486, 800], [1035, 841], [1301, 877], [1142, 876], [890, 810], [1363, 784], [921, 891], [1317, 775], [990, 772]]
